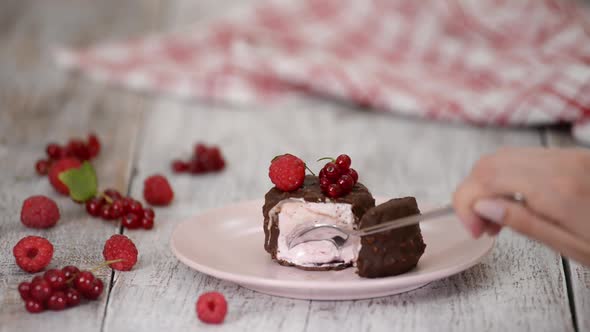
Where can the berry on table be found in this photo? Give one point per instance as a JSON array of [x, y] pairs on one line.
[[33, 253], [42, 166], [93, 145], [34, 306], [94, 207], [53, 151], [131, 221], [70, 271], [57, 168], [113, 194], [57, 301], [40, 290], [211, 308], [39, 212], [120, 247], [24, 289], [95, 290], [135, 207], [205, 159], [287, 172], [72, 297], [84, 281], [157, 190], [56, 279], [147, 223], [149, 213]]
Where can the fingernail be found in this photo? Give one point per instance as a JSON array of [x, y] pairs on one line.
[[491, 210]]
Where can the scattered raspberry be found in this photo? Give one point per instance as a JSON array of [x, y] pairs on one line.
[[287, 172], [120, 247], [59, 166], [39, 212], [157, 190], [33, 253], [211, 308]]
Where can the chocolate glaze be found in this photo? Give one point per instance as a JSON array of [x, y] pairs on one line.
[[392, 252], [360, 198]]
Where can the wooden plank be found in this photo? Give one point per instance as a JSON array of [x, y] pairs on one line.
[[519, 287], [38, 104], [579, 274]]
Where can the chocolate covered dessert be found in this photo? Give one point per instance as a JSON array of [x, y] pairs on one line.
[[283, 211], [391, 252], [336, 197]]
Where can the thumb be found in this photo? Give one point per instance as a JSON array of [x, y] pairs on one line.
[[524, 221]]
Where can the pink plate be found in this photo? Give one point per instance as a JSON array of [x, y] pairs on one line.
[[227, 243]]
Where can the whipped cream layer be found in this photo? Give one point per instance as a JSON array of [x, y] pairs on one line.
[[293, 214]]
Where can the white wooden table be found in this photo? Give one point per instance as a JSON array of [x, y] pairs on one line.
[[521, 286]]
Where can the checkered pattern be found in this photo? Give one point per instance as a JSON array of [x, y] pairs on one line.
[[487, 62]]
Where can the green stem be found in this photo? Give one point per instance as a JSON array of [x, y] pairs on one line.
[[327, 158], [309, 170]]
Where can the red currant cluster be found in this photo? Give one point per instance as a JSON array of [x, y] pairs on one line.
[[205, 159], [111, 205], [76, 148], [59, 289], [337, 178]]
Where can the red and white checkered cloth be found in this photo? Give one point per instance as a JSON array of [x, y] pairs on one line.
[[498, 62]]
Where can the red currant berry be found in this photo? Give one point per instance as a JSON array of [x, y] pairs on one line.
[[84, 281], [343, 161], [113, 194], [42, 167], [179, 166], [332, 171], [34, 306], [200, 148], [131, 221], [324, 183], [57, 301], [94, 207], [24, 289], [95, 290], [216, 160], [117, 210], [149, 213], [106, 212], [196, 166], [147, 223], [72, 297], [40, 289], [56, 279], [322, 173], [78, 149], [334, 190], [93, 145], [53, 151], [353, 174], [136, 208], [346, 182], [70, 272], [127, 201]]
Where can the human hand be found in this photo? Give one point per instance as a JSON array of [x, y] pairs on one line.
[[555, 184]]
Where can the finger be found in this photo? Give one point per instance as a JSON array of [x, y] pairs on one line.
[[523, 221], [463, 204]]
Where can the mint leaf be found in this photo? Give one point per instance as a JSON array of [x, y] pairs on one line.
[[81, 181]]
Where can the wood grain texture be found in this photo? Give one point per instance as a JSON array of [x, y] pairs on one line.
[[580, 275], [39, 104], [519, 287]]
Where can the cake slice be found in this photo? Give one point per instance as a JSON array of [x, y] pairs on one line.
[[285, 211], [391, 252]]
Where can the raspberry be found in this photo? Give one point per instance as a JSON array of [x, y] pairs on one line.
[[33, 253], [211, 308], [287, 172], [120, 247], [58, 167], [39, 212], [157, 190]]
